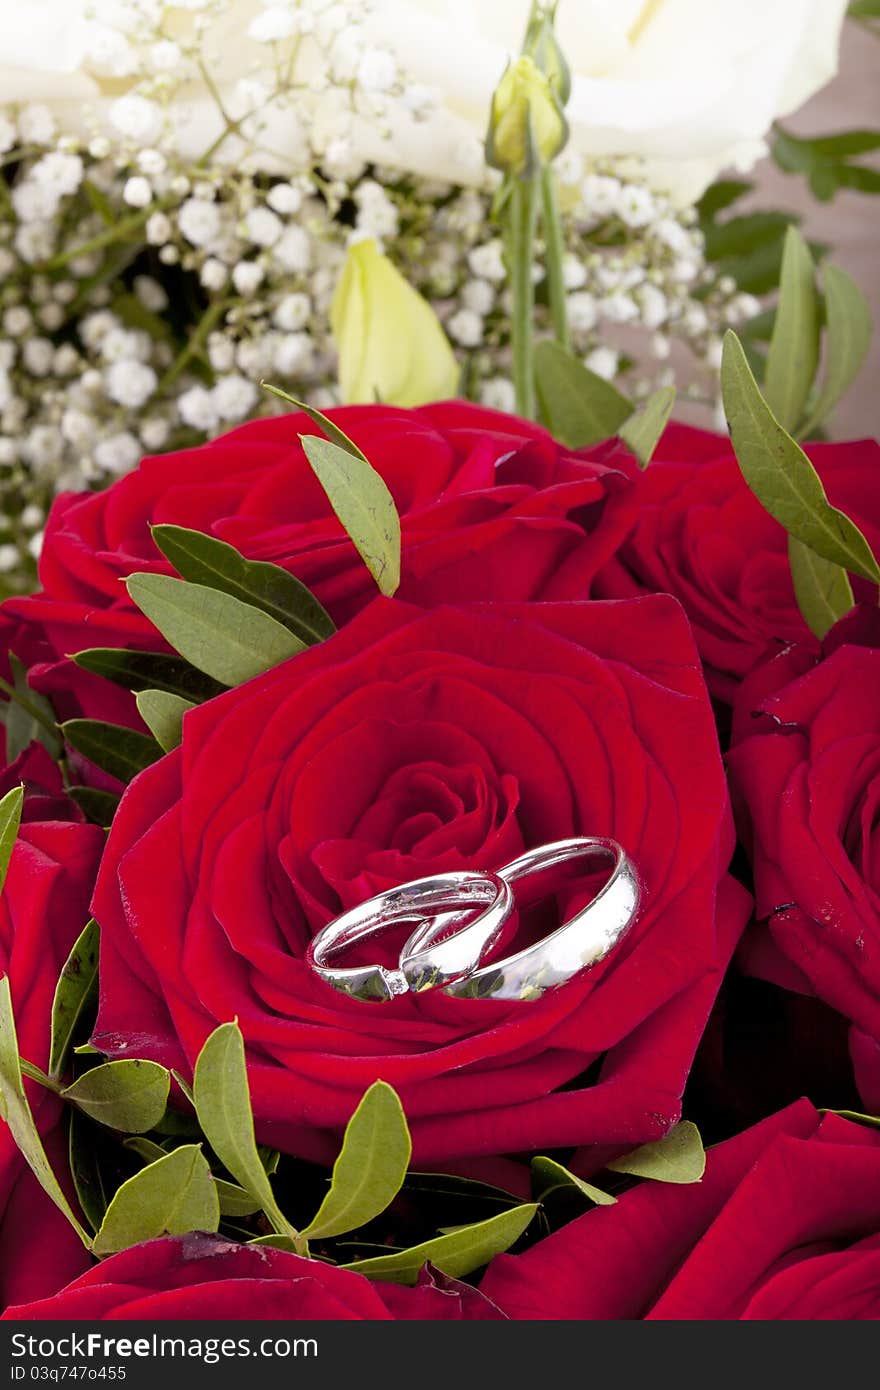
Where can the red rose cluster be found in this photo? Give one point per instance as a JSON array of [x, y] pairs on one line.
[[570, 644]]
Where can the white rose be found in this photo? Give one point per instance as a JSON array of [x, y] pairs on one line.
[[692, 86]]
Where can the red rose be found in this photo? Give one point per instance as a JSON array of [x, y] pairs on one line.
[[40, 1251], [491, 507], [411, 743], [186, 1278], [704, 537], [43, 908], [784, 1225], [809, 780]]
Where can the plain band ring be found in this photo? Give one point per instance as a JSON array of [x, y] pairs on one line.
[[580, 942], [446, 898]]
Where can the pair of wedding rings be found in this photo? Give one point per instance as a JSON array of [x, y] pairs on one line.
[[449, 944]]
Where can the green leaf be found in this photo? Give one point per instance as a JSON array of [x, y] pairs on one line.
[[856, 176], [93, 1180], [371, 1166], [234, 1201], [97, 806], [16, 1111], [848, 327], [457, 1254], [10, 820], [549, 1174], [721, 195], [222, 636], [146, 1149], [174, 1195], [579, 407], [846, 142], [781, 476], [205, 560], [642, 430], [678, 1158], [149, 671], [163, 715], [872, 1121], [121, 752], [129, 1095], [742, 236], [29, 717], [223, 1107], [822, 589], [794, 347], [333, 432], [75, 992], [362, 502], [863, 9]]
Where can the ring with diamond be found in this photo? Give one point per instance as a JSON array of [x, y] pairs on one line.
[[448, 902]]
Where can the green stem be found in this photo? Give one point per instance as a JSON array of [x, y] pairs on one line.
[[194, 343], [118, 232], [32, 710], [522, 217], [554, 254], [28, 1069]]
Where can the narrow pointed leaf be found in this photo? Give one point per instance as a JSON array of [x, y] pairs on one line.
[[848, 329], [642, 430], [234, 1201], [93, 1181], [97, 806], [129, 1095], [677, 1158], [822, 589], [371, 1166], [163, 715], [223, 1106], [23, 727], [362, 502], [333, 432], [220, 635], [781, 476], [75, 992], [10, 820], [793, 357], [172, 1196], [579, 407], [121, 752], [457, 1254], [549, 1174], [16, 1111], [149, 671], [205, 560]]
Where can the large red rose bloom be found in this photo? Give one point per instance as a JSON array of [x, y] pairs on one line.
[[409, 743], [490, 505], [783, 1226], [205, 1277], [704, 537]]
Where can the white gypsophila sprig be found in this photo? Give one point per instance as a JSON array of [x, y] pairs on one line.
[[148, 286]]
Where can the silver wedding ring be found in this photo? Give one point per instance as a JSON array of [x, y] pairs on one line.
[[449, 944], [448, 899]]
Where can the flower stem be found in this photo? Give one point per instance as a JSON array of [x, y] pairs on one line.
[[194, 344], [522, 216], [120, 231], [554, 253], [28, 1069]]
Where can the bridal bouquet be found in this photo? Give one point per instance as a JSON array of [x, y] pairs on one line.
[[439, 846]]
